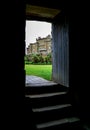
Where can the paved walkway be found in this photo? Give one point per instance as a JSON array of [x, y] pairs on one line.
[[38, 81]]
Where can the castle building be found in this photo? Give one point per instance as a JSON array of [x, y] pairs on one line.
[[41, 46]]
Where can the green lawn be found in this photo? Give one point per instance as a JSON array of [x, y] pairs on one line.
[[44, 71]]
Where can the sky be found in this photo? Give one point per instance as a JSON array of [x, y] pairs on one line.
[[35, 29]]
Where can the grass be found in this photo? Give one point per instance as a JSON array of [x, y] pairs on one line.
[[44, 71]]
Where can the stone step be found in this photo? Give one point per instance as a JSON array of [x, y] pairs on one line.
[[45, 95], [50, 108], [59, 124], [53, 113], [30, 90], [48, 99]]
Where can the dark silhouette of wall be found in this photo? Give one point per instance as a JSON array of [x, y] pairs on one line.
[[14, 80]]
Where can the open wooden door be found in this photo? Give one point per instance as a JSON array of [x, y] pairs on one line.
[[60, 52]]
